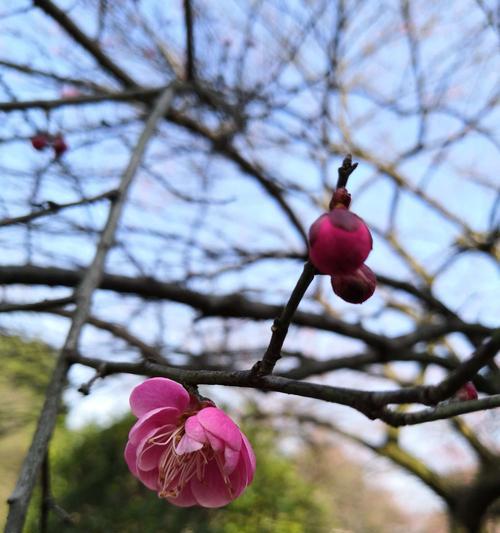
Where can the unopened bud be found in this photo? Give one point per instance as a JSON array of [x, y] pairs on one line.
[[339, 242], [466, 392], [357, 287], [59, 145], [39, 141], [341, 198]]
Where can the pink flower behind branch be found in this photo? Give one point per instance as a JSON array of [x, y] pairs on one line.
[[188, 451], [466, 392]]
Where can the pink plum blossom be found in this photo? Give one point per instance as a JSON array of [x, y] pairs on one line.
[[339, 242], [187, 450], [466, 392]]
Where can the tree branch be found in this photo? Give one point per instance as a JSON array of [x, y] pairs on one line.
[[53, 207], [124, 96], [83, 40], [281, 324], [232, 305], [189, 25], [20, 498], [370, 403]]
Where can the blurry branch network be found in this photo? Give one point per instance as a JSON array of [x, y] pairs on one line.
[[219, 118], [20, 498]]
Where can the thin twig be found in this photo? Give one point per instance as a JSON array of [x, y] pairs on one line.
[[281, 324], [84, 40], [189, 25], [125, 96], [84, 388], [42, 305], [53, 207]]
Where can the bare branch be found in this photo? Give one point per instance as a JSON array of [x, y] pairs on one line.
[[281, 324], [86, 42], [20, 498], [189, 26], [54, 207]]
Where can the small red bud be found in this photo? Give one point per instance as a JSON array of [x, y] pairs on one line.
[[339, 242], [466, 392], [39, 141], [357, 287], [340, 198], [59, 145]]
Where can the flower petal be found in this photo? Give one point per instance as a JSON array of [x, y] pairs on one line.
[[249, 458], [152, 419], [148, 452], [150, 479], [231, 459], [238, 479], [158, 392], [216, 443], [131, 457], [185, 498], [187, 445], [220, 425], [150, 457], [211, 491], [195, 430]]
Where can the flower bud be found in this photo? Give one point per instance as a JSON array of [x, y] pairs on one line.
[[466, 392], [59, 145], [39, 141], [340, 198], [339, 242], [357, 287]]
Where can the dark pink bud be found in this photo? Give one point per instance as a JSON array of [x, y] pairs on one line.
[[39, 141], [357, 287], [339, 242], [59, 145], [466, 392], [340, 198]]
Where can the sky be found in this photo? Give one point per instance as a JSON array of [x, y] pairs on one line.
[[241, 214]]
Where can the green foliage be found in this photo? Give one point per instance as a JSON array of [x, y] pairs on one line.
[[92, 482], [279, 500], [26, 369], [25, 364]]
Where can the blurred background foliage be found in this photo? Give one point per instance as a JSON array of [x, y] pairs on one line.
[[25, 372], [309, 489], [298, 488]]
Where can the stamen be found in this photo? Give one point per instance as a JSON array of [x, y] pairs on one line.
[[220, 465], [176, 470]]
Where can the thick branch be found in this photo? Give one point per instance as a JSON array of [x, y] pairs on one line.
[[366, 402], [233, 305]]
